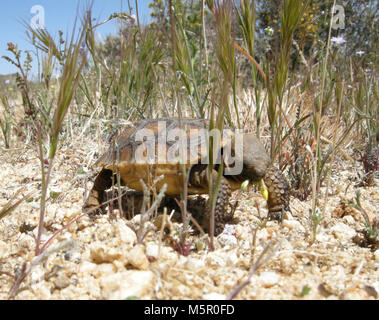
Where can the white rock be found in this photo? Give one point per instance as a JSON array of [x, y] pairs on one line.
[[4, 250], [93, 288], [44, 236], [26, 241], [100, 253], [169, 254], [324, 237], [41, 290], [61, 282], [293, 225], [268, 279], [182, 261], [214, 296], [136, 220], [127, 235], [231, 258], [34, 205], [104, 230], [376, 255], [65, 235], [342, 231], [37, 274], [226, 240], [287, 263], [152, 250], [245, 244], [126, 284], [53, 189], [137, 258], [263, 235], [103, 269], [349, 219], [87, 267], [376, 284], [194, 264], [214, 259]]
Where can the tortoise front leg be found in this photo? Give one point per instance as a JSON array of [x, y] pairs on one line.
[[96, 196], [278, 193], [221, 213]]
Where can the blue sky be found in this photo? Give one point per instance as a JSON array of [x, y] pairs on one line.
[[58, 15]]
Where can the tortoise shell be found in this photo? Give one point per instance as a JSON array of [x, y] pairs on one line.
[[151, 148]]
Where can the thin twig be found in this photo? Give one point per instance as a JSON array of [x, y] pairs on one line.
[[259, 263], [27, 268]]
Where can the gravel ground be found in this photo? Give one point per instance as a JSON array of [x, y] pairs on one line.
[[99, 259]]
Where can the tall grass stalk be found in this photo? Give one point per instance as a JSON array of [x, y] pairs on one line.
[[292, 12], [224, 48], [339, 101], [6, 121], [203, 47], [316, 174], [72, 63], [184, 53], [246, 21]]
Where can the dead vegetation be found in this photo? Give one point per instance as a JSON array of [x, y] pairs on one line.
[[318, 123]]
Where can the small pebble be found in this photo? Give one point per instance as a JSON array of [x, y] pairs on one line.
[[268, 279], [293, 225], [214, 296], [226, 240], [152, 250], [137, 258], [341, 231]]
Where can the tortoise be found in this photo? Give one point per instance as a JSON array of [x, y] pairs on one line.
[[150, 148]]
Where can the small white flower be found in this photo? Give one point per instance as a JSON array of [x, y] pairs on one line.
[[7, 81], [338, 40], [269, 31], [360, 52]]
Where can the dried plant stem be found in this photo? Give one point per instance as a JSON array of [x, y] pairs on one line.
[[141, 233], [343, 153], [262, 259], [316, 177], [256, 64], [164, 219], [10, 206], [45, 182], [333, 149], [27, 267]]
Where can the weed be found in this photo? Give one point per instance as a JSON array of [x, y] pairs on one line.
[[371, 230], [141, 232], [268, 252]]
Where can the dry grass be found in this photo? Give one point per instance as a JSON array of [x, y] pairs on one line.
[[319, 124]]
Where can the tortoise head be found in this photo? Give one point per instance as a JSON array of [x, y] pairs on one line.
[[255, 158], [257, 165]]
